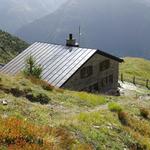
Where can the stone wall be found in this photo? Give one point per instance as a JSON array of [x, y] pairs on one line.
[[76, 83]]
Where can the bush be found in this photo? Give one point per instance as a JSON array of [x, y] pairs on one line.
[[17, 92], [17, 134], [38, 97], [46, 86], [114, 107], [144, 113], [31, 69], [43, 98], [123, 117]]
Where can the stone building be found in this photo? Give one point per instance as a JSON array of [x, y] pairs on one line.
[[70, 66]]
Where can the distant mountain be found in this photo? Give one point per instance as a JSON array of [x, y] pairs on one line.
[[16, 13], [121, 27], [10, 46]]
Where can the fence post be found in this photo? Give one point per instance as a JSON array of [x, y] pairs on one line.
[[147, 81], [122, 77], [134, 80]]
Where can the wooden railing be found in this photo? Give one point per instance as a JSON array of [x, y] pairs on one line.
[[135, 80]]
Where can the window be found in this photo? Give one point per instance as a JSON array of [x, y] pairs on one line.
[[104, 65], [86, 72]]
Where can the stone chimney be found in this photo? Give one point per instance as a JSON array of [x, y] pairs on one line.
[[71, 42]]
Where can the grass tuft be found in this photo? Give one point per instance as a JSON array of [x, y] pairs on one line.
[[91, 99], [144, 113], [123, 117], [114, 107]]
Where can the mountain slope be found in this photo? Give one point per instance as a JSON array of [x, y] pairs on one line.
[[10, 46], [118, 26], [14, 14], [68, 119], [137, 67]]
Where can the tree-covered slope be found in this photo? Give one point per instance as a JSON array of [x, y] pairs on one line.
[[10, 46]]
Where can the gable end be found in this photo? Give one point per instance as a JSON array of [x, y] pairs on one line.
[[109, 56]]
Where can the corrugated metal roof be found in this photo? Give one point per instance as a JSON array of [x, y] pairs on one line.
[[59, 62]]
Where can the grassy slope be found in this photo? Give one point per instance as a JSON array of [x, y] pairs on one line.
[[138, 67], [84, 116], [12, 45]]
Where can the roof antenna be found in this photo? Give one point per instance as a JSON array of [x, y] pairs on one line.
[[80, 35]]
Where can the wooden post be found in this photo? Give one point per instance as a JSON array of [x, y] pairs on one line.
[[147, 82], [134, 80], [122, 77]]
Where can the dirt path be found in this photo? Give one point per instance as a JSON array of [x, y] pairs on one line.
[[133, 96], [97, 108]]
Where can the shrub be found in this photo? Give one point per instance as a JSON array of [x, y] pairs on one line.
[[31, 69], [114, 107], [123, 117], [139, 130], [38, 97], [46, 86], [43, 98], [144, 113], [17, 92], [34, 80], [17, 134]]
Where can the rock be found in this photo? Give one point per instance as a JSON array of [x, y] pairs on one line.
[[96, 127], [4, 102], [110, 127], [4, 116]]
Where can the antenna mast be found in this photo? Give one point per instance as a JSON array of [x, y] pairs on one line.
[[79, 34]]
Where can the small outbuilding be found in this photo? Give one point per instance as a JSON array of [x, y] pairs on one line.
[[70, 66]]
